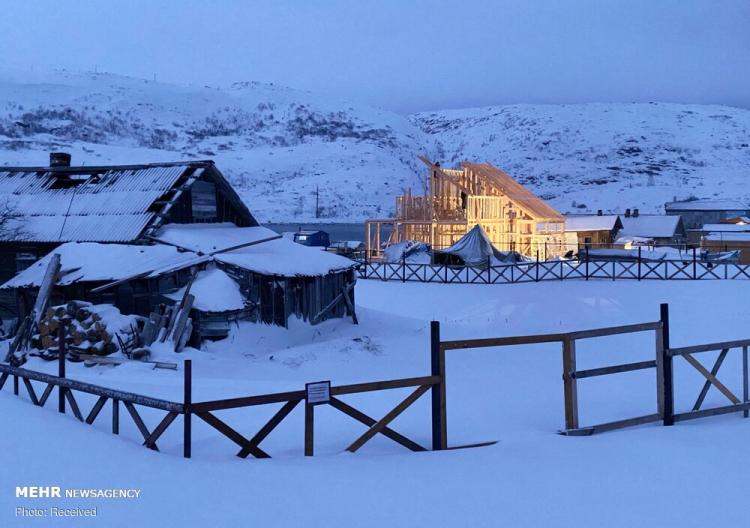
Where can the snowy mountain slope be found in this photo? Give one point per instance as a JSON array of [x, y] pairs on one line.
[[279, 146], [603, 156], [283, 148]]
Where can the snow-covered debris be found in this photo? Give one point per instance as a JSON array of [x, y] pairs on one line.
[[214, 291], [410, 251]]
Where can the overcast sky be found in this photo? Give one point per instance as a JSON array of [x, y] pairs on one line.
[[404, 55]]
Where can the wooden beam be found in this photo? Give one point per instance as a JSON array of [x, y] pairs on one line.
[[139, 423], [264, 431], [369, 422], [710, 377], [73, 404], [616, 369], [570, 388], [230, 433], [95, 409], [710, 347], [707, 384], [388, 418], [89, 388], [150, 442]]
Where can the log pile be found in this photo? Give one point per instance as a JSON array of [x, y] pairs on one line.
[[84, 330]]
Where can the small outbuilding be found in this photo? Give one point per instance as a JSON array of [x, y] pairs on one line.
[[591, 231]]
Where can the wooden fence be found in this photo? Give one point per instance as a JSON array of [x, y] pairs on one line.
[[318, 393], [662, 364], [554, 270]]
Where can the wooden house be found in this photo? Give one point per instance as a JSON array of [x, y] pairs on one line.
[[591, 231], [456, 200], [48, 206], [129, 235]]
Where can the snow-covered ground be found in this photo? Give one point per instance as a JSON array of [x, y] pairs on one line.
[[285, 149], [689, 475]]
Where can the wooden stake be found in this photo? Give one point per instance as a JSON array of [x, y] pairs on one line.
[[439, 422], [570, 386], [309, 428], [61, 366], [667, 371], [187, 402]]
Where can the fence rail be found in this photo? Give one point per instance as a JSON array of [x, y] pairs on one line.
[[554, 270], [206, 410]]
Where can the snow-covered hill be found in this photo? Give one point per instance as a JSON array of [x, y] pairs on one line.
[[278, 146], [603, 156], [283, 148]]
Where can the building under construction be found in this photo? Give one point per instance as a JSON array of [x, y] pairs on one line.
[[457, 200]]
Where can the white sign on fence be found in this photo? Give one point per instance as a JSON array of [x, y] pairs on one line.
[[318, 392]]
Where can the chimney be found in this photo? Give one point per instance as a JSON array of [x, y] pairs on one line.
[[627, 213], [598, 212], [59, 159], [635, 213]]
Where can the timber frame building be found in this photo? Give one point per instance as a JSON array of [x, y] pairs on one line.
[[457, 200]]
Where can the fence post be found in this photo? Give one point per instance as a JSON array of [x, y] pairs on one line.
[[695, 274], [115, 416], [570, 386], [15, 384], [639, 262], [437, 356], [309, 428], [61, 366], [587, 263], [537, 265], [745, 388], [403, 268], [489, 269], [187, 402], [667, 382]]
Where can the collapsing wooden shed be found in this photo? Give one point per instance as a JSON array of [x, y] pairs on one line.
[[277, 278]]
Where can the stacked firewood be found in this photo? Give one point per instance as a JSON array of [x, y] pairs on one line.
[[84, 330]]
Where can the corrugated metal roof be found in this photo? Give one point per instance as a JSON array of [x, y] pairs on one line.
[[535, 206], [111, 204]]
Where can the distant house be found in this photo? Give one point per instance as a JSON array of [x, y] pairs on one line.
[[591, 231], [313, 238], [696, 213], [729, 241], [131, 235], [652, 229]]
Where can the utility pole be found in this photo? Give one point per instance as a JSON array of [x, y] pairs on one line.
[[317, 201]]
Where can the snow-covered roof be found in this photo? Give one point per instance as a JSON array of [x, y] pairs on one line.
[[591, 223], [285, 258], [96, 203], [656, 226], [279, 256], [214, 291], [706, 205], [209, 238], [725, 227], [728, 236], [95, 262]]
